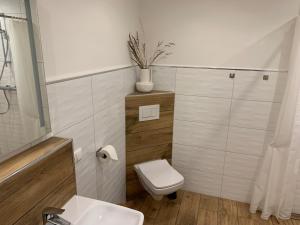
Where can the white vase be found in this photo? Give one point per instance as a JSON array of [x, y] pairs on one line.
[[145, 84], [145, 76]]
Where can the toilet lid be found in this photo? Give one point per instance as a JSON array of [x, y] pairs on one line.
[[160, 174]]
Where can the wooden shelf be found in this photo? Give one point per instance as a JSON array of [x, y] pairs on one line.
[[135, 94], [15, 164]]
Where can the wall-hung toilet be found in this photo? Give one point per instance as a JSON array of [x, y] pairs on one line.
[[159, 178]]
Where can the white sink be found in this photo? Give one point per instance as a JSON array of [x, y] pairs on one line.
[[86, 211]]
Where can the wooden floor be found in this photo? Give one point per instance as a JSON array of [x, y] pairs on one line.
[[195, 209]]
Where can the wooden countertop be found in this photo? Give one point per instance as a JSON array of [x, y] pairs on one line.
[[34, 154], [135, 94]]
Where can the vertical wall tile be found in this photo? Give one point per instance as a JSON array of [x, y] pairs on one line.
[[164, 78], [237, 189], [86, 176], [202, 109], [130, 78], [107, 89], [196, 158], [253, 114], [201, 182], [82, 135], [109, 123], [241, 166], [248, 141], [110, 130], [69, 102], [202, 82], [200, 134], [250, 85]]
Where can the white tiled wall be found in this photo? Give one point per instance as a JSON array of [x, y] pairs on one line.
[[91, 110], [222, 126], [12, 132]]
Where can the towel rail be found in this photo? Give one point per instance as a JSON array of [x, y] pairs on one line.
[[7, 88], [12, 17]]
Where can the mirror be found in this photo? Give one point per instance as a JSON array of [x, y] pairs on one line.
[[24, 114]]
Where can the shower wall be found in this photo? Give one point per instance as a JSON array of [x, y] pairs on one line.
[[11, 132], [222, 126]]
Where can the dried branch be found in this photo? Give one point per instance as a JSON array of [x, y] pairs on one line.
[[138, 51]]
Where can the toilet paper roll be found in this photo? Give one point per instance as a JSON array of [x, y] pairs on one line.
[[109, 152]]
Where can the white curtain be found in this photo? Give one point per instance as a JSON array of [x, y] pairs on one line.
[[24, 76], [275, 185]]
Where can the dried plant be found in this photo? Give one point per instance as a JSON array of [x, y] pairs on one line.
[[138, 51]]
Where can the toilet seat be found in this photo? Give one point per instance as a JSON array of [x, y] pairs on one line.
[[158, 177]]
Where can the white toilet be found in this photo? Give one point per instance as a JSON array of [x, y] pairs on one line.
[[159, 178]]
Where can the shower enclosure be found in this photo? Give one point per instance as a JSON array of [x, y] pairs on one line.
[[5, 48], [23, 102]]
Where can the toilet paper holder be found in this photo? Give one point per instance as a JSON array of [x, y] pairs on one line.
[[107, 153], [100, 154]]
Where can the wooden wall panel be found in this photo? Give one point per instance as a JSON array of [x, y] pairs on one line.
[[49, 175], [147, 140], [57, 198]]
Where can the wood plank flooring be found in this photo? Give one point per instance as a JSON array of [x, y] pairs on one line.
[[197, 209]]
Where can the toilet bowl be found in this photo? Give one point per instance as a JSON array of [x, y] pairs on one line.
[[159, 178]]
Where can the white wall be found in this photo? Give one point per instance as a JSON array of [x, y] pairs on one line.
[[228, 33], [80, 36]]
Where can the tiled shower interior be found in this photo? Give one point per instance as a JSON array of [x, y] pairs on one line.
[[11, 132]]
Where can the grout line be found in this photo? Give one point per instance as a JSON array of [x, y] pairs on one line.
[[226, 145], [211, 172], [75, 76], [236, 99], [72, 125], [218, 150], [223, 125]]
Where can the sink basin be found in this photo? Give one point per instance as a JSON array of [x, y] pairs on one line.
[[85, 211]]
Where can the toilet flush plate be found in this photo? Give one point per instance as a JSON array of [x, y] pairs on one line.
[[149, 112]]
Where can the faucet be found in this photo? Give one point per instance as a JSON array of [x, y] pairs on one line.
[[50, 216]]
